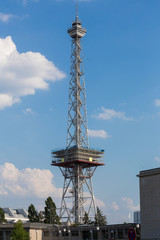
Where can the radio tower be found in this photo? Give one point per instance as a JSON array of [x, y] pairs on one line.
[[77, 162]]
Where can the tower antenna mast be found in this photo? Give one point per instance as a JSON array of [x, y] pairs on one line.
[[77, 162], [76, 10]]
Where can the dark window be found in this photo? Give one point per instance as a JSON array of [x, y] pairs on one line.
[[8, 234], [1, 235], [126, 231], [104, 234], [65, 234], [75, 234], [46, 234], [112, 233], [120, 233], [86, 235], [55, 233], [95, 235]]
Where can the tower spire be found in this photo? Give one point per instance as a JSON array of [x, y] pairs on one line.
[[76, 11], [77, 134]]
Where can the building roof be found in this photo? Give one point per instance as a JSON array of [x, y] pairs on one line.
[[149, 172], [13, 215]]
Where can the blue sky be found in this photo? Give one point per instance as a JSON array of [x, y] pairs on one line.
[[121, 62]]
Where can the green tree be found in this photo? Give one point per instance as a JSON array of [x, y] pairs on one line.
[[50, 212], [86, 219], [100, 219], [32, 214], [2, 217], [19, 233], [41, 217]]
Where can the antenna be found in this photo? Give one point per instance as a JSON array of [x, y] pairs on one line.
[[76, 11], [77, 161]]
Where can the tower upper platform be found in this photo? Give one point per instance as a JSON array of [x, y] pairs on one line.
[[77, 30], [85, 157]]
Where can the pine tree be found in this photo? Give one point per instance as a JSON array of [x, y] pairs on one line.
[[32, 214], [41, 217], [100, 219], [19, 233], [50, 212], [86, 219]]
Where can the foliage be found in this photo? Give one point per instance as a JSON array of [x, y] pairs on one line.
[[19, 233], [41, 217], [100, 219], [75, 224], [86, 219], [50, 212], [32, 214], [2, 217]]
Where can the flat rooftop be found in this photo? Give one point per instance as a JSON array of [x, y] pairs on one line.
[[149, 172]]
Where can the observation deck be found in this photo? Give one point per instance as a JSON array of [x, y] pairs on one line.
[[86, 157], [77, 30]]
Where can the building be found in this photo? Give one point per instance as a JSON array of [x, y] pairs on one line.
[[137, 217], [149, 181], [13, 215], [36, 231], [40, 231]]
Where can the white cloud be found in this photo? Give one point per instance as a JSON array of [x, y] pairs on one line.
[[157, 102], [108, 114], [98, 133], [32, 184], [130, 205], [21, 74], [121, 210], [115, 206], [100, 203], [157, 159], [5, 17], [6, 101], [27, 182], [28, 111]]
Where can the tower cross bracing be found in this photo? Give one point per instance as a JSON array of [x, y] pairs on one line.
[[77, 162], [77, 115]]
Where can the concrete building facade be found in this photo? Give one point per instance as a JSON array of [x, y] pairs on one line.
[[149, 181], [137, 217], [40, 231]]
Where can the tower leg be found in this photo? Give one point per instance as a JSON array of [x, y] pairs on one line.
[[75, 181]]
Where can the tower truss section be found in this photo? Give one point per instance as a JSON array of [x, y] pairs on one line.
[[77, 162], [77, 133]]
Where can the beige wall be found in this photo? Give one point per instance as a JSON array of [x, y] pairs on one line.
[[35, 234]]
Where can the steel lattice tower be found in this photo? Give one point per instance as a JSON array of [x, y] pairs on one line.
[[77, 162]]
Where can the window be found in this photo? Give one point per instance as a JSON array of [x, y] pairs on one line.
[[1, 235], [8, 233], [120, 233], [46, 234], [75, 234]]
